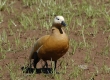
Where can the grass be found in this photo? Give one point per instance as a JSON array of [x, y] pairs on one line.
[[25, 21], [88, 27], [2, 4], [75, 43], [1, 18]]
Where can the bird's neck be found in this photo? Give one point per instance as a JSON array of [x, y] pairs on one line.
[[57, 30]]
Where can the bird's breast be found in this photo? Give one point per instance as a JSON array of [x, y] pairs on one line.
[[54, 48]]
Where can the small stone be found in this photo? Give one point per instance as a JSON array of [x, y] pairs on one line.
[[83, 67]]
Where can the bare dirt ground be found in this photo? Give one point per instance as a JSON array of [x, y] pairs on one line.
[[97, 59]]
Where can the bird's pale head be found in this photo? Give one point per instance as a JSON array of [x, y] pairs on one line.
[[59, 21]]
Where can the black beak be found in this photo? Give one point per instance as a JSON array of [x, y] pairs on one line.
[[63, 23]]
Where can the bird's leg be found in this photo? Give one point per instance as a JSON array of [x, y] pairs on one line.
[[30, 65], [55, 65], [46, 64], [36, 59]]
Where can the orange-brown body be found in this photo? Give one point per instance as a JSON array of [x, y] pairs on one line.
[[55, 46]]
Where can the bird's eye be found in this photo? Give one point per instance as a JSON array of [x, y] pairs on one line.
[[57, 18]]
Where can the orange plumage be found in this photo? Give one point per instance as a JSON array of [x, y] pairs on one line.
[[53, 46]]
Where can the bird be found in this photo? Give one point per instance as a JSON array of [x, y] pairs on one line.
[[51, 47]]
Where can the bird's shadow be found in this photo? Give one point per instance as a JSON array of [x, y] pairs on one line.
[[37, 71]]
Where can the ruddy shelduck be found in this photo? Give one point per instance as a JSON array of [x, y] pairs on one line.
[[53, 46]]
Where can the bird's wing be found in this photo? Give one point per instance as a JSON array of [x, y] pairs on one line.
[[38, 45]]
